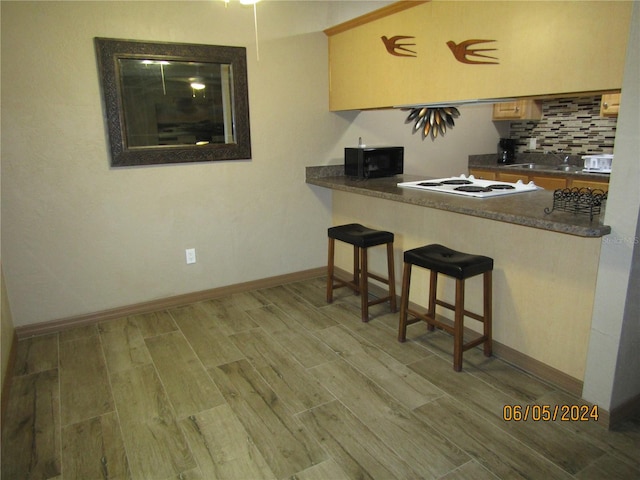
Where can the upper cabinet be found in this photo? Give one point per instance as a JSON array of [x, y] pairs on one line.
[[610, 105], [523, 109], [414, 52]]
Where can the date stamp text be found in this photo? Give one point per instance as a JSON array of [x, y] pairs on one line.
[[550, 413]]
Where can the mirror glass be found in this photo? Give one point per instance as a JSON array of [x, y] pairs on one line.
[[174, 103]]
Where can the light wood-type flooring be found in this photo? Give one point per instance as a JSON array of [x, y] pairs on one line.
[[276, 384]]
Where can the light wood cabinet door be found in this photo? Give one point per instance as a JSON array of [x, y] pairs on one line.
[[549, 183], [483, 174], [590, 184], [524, 109], [513, 177], [610, 105]]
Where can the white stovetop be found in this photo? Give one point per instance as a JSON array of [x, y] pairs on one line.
[[482, 188]]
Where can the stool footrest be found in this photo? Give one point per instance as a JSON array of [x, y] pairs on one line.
[[380, 300], [339, 283], [467, 313], [445, 324], [379, 278], [474, 343]]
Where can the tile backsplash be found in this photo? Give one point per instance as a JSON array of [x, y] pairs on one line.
[[573, 125]]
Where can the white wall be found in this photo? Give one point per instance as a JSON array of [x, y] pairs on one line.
[[474, 133], [81, 237], [612, 376]]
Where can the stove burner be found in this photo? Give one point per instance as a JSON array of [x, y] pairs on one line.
[[501, 186], [456, 181], [472, 188], [430, 184]]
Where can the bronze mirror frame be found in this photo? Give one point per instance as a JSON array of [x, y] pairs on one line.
[[110, 51]]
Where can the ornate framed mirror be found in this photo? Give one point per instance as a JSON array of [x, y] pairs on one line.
[[174, 102]]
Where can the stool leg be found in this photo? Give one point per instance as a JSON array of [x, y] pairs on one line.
[[364, 285], [433, 288], [392, 280], [356, 269], [330, 270], [458, 326], [488, 312], [404, 302]]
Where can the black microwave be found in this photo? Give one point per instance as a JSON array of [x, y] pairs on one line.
[[371, 162]]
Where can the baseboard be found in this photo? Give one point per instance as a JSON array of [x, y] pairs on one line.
[[537, 368], [54, 326], [8, 377]]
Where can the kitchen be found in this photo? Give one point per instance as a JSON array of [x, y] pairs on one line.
[[523, 247], [83, 238]]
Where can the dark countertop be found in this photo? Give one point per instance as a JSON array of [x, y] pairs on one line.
[[488, 162], [525, 209]]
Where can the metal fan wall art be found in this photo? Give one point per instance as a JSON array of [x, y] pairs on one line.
[[432, 121]]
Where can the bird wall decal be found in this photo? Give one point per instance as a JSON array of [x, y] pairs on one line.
[[462, 51], [395, 48]]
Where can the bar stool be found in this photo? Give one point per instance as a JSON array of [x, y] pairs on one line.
[[361, 238], [440, 259]]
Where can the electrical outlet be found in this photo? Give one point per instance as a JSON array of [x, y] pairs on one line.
[[191, 255], [532, 143]]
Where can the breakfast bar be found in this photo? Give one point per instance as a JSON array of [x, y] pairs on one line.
[[545, 264], [526, 209]]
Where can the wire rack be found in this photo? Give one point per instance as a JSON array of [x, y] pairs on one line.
[[583, 201]]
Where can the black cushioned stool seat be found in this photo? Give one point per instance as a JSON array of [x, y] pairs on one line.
[[361, 238], [448, 262], [442, 260]]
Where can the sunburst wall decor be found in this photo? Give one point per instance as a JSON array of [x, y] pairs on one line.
[[432, 121]]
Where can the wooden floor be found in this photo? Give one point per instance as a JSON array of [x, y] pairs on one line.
[[277, 384]]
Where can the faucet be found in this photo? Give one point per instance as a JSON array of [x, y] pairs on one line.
[[563, 161]]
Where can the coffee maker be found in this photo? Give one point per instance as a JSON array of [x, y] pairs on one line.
[[507, 151]]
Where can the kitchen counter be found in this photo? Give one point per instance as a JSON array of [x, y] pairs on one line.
[[547, 166], [545, 266], [526, 209], [551, 171]]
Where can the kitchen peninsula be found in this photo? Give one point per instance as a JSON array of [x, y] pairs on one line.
[[545, 264]]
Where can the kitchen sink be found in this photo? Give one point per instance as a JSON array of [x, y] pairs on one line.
[[568, 168], [532, 166], [542, 166]]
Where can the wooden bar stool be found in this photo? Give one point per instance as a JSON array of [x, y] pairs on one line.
[[361, 238], [440, 259]]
